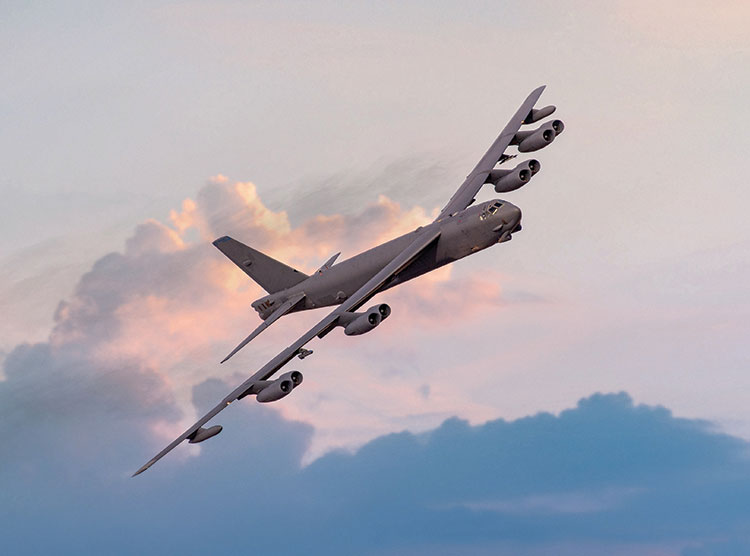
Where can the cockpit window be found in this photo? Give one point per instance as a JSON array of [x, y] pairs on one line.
[[490, 210]]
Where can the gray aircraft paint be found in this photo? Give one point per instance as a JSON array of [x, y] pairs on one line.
[[459, 230], [468, 232]]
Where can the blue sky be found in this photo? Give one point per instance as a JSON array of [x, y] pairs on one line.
[[606, 476], [512, 404]]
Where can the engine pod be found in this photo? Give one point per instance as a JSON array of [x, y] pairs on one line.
[[385, 311], [276, 390], [364, 322], [537, 140], [294, 376]]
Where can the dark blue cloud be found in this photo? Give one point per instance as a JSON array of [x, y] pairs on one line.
[[606, 472]]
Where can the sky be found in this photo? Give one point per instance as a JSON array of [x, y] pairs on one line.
[[578, 390]]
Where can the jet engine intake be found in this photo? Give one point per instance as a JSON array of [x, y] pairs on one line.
[[539, 138], [294, 376], [556, 125], [529, 141], [510, 180], [363, 323], [276, 389], [358, 323], [385, 311], [534, 165]]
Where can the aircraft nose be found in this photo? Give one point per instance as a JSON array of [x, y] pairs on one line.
[[511, 216]]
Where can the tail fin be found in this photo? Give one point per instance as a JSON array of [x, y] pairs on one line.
[[270, 274]]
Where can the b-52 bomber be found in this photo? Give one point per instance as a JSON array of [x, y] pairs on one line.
[[459, 230]]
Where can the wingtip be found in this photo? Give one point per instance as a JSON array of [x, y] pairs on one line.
[[142, 469], [231, 353]]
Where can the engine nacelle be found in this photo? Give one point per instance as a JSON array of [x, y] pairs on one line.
[[364, 322], [358, 323], [275, 389], [529, 141], [204, 434], [534, 165], [539, 138], [384, 310], [555, 125], [510, 180], [294, 376], [538, 114]]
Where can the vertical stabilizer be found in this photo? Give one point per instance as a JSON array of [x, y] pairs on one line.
[[270, 274]]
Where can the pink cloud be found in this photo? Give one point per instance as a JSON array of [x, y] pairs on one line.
[[175, 306]]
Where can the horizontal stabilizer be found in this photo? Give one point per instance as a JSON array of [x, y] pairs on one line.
[[283, 309], [270, 274]]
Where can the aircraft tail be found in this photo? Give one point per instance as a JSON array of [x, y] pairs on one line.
[[270, 274]]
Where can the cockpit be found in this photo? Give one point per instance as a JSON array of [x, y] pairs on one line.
[[490, 209]]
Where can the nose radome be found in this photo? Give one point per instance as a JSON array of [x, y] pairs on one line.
[[511, 214]]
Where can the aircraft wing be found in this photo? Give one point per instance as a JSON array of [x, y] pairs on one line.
[[464, 196], [283, 309], [422, 240]]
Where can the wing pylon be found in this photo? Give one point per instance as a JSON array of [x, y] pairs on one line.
[[465, 194]]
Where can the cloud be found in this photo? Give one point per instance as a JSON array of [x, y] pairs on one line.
[[607, 476], [145, 325], [402, 180]]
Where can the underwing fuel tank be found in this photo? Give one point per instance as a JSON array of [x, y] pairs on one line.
[[204, 434], [538, 114]]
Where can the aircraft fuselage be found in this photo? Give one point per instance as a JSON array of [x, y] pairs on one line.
[[461, 234]]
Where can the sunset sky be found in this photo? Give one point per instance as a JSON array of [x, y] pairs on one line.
[[582, 389]]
